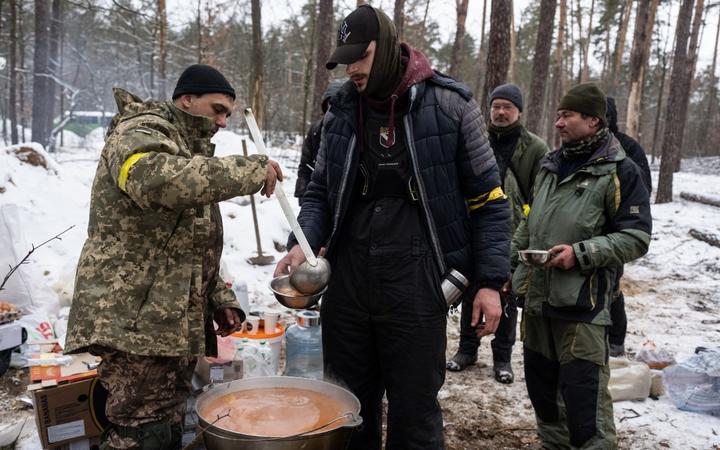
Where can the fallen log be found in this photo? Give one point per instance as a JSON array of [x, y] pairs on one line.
[[700, 199], [705, 237]]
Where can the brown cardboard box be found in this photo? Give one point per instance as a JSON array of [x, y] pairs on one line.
[[70, 412]]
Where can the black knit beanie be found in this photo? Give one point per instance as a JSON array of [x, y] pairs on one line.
[[202, 79], [509, 92], [585, 98]]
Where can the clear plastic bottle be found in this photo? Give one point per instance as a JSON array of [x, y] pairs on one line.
[[304, 346], [266, 355], [240, 289]]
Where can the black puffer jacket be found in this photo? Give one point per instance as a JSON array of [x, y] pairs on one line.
[[456, 173], [307, 158], [632, 148]]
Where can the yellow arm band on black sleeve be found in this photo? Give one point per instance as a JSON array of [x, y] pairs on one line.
[[481, 200], [125, 169]]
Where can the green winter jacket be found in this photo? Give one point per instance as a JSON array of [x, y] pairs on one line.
[[603, 211], [519, 177], [138, 286]]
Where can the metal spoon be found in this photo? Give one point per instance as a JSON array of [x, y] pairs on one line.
[[314, 274]]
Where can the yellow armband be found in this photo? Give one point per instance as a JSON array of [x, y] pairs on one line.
[[125, 169], [480, 201]]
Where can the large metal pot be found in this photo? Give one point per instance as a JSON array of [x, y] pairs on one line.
[[218, 438]]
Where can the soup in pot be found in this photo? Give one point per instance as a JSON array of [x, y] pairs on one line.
[[274, 412]]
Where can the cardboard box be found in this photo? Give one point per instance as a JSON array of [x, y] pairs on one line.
[[70, 412], [213, 370], [10, 335], [82, 366]]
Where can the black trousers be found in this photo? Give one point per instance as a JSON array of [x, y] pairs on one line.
[[383, 326], [618, 329], [502, 343]]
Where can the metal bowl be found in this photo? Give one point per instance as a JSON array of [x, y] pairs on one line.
[[534, 257], [289, 297], [217, 437]]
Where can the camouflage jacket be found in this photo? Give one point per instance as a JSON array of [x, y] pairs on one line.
[[139, 280]]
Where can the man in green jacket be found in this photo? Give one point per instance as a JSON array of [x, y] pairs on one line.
[[147, 286], [591, 211], [518, 153]]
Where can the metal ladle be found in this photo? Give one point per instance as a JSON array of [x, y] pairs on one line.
[[313, 274]]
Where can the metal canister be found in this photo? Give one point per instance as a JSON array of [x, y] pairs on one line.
[[453, 285]]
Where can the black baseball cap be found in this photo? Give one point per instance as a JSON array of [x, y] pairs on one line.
[[354, 35]]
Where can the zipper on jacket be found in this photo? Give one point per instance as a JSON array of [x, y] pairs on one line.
[[421, 186], [343, 183]]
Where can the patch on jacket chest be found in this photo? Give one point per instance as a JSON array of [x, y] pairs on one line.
[[387, 137]]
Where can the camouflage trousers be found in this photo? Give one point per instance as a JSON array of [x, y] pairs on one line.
[[567, 374], [146, 399]]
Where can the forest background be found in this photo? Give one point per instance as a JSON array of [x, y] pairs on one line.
[[657, 58]]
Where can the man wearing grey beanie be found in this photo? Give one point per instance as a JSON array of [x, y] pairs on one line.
[[518, 153]]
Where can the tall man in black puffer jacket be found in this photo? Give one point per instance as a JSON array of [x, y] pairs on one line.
[[405, 188], [636, 153]]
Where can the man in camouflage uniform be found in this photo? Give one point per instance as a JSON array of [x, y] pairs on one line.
[[147, 286], [592, 212]]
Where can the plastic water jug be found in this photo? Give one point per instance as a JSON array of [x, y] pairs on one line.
[[304, 346]]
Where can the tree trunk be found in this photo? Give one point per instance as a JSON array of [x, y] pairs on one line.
[[12, 110], [456, 58], [540, 67], [53, 67], [498, 58], [258, 94], [585, 74], [198, 24], [620, 42], [309, 65], [162, 64], [513, 47], [658, 112], [558, 80], [324, 44], [399, 17], [689, 75], [479, 77], [672, 139], [644, 23], [21, 72], [712, 98], [706, 237], [41, 82], [705, 200]]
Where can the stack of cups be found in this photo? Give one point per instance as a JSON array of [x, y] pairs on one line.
[[253, 324], [271, 319]]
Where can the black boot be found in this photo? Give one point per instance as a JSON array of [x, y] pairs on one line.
[[503, 372], [460, 362]]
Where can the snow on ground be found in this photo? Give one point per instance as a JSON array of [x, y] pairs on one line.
[[671, 293]]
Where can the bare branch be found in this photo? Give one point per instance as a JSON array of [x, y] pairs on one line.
[[24, 260]]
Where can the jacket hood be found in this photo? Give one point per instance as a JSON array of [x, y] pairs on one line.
[[130, 105], [611, 115]]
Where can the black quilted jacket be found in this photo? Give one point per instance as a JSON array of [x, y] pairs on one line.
[[453, 162]]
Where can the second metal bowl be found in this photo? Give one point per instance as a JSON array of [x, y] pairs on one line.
[[534, 257], [291, 298]]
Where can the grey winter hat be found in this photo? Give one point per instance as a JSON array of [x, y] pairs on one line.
[[510, 92]]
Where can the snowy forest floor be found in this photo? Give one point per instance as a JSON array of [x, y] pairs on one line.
[[672, 297]]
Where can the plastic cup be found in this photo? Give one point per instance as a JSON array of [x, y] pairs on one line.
[[252, 324], [271, 318]]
